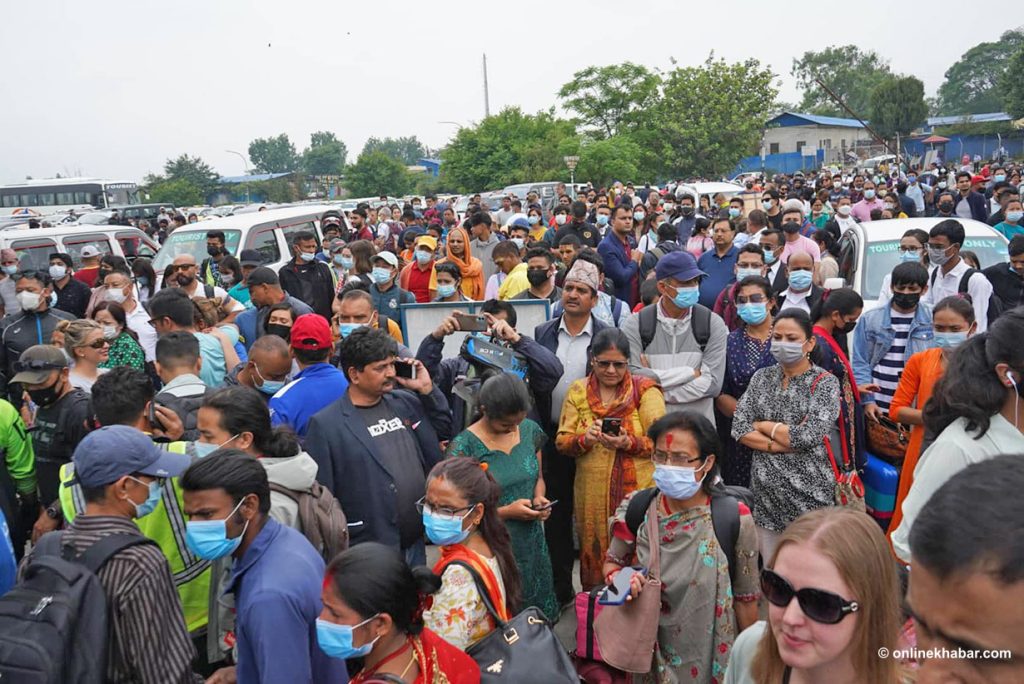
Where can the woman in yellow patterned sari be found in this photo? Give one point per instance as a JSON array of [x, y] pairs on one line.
[[610, 462]]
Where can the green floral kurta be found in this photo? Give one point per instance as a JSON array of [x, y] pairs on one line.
[[124, 351], [517, 474]]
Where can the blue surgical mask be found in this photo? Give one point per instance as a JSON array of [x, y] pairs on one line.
[[534, 219], [143, 281], [345, 329], [445, 531], [10, 270], [686, 297], [799, 280], [269, 386], [912, 255], [638, 216], [753, 313], [149, 505], [949, 340], [345, 262], [446, 290], [1014, 216], [733, 212], [869, 194], [209, 539], [742, 273], [766, 204], [380, 275], [518, 242], [769, 257], [307, 256], [203, 449], [336, 640], [677, 482], [1000, 177], [423, 257], [602, 219]]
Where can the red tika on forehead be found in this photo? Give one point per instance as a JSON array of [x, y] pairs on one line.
[[668, 441]]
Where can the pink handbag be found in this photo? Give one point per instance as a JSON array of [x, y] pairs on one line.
[[626, 635]]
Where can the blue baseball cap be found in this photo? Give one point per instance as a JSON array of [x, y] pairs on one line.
[[113, 451], [679, 265]]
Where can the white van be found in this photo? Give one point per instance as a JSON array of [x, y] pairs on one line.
[[35, 245], [269, 232]]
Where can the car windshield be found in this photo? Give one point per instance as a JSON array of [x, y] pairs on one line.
[[883, 256], [191, 242]]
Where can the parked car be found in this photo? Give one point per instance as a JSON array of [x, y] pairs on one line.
[[269, 232], [35, 245], [869, 251]]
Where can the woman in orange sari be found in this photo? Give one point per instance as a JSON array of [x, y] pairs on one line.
[[460, 514], [459, 253], [373, 609], [611, 462], [953, 322]]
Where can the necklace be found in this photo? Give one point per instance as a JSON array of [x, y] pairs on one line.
[[361, 677]]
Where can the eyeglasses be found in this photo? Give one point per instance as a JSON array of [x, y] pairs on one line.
[[751, 299], [817, 604], [675, 458], [153, 321], [34, 365], [442, 512], [184, 267], [98, 344], [605, 365]]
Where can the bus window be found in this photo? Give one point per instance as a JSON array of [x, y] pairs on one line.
[[34, 253], [264, 241], [134, 245], [73, 245], [47, 199]]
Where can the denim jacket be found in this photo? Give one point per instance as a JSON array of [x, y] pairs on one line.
[[873, 337]]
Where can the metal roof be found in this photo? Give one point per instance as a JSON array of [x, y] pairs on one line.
[[254, 178], [967, 118], [815, 119]]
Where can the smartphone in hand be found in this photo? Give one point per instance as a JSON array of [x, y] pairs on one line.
[[405, 370], [618, 591], [611, 426], [545, 507], [471, 322]]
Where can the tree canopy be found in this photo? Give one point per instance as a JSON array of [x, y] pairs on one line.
[[375, 173], [407, 149], [274, 155], [851, 73], [325, 155], [897, 106], [972, 82], [611, 99], [1012, 85]]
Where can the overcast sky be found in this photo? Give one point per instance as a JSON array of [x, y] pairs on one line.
[[112, 88]]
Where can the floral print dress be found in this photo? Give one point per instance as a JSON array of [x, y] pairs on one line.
[[744, 356]]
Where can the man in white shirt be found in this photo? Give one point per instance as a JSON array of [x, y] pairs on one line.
[[945, 241], [120, 290], [185, 274]]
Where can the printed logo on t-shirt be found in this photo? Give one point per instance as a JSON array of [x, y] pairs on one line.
[[384, 426]]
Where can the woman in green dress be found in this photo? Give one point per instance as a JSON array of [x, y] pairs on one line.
[[125, 349], [509, 443]]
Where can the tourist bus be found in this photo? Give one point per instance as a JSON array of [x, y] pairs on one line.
[[57, 195]]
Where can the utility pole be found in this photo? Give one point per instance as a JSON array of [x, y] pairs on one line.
[[849, 111], [487, 96]]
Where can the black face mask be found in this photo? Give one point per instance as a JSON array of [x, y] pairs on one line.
[[46, 395], [791, 227], [687, 211], [848, 327], [946, 207], [282, 331], [213, 250], [905, 300], [537, 276]]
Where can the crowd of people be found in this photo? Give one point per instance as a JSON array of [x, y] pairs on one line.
[[261, 465]]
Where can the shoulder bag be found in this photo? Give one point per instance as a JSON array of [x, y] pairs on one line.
[[849, 490]]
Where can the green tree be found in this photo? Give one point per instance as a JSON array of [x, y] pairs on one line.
[[508, 147], [611, 99], [407, 150], [713, 115], [181, 192], [848, 71], [325, 155], [603, 162], [193, 170], [972, 83], [376, 173], [897, 106], [273, 155], [1012, 85]]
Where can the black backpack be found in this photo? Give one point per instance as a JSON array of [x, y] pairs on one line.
[[995, 305], [725, 516], [53, 623], [700, 325], [187, 409]]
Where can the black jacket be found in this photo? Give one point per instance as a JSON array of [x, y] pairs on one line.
[[312, 283], [23, 329], [1006, 285], [812, 299]]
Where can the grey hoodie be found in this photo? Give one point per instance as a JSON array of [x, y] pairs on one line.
[[297, 472]]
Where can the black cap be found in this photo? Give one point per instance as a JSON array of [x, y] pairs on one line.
[[250, 257], [263, 276]]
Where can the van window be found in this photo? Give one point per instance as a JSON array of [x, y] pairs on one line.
[[34, 253], [290, 232], [73, 245], [264, 241], [134, 245], [192, 242]]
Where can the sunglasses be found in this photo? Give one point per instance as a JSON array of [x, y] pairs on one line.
[[605, 365], [98, 344], [820, 606], [22, 366]]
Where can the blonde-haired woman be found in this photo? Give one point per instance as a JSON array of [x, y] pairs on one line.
[[88, 347], [833, 605]]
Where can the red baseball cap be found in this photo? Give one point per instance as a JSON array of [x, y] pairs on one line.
[[311, 332], [978, 179]]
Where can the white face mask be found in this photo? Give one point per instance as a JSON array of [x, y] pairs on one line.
[[116, 296], [29, 301]]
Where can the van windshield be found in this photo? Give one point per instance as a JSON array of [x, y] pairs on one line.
[[191, 242], [883, 256]]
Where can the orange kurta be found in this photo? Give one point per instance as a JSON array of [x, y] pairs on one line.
[[922, 371]]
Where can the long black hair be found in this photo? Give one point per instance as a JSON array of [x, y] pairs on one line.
[[477, 485], [970, 387], [844, 300], [503, 395], [243, 410], [372, 578]]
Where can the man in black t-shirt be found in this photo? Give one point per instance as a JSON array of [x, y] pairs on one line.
[[577, 225]]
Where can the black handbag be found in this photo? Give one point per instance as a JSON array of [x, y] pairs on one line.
[[524, 649]]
